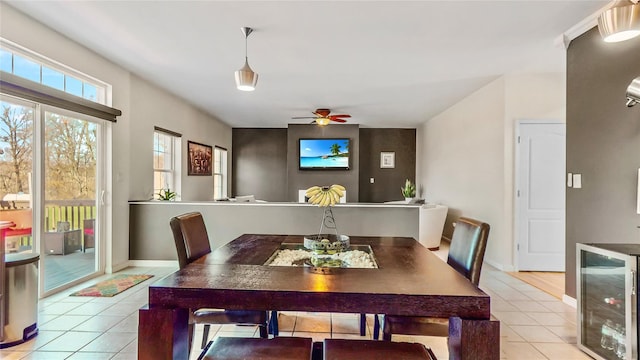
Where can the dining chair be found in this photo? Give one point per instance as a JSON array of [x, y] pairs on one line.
[[192, 242], [88, 234], [340, 349], [466, 255], [277, 348]]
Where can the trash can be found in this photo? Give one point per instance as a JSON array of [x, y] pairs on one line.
[[432, 219], [20, 295]]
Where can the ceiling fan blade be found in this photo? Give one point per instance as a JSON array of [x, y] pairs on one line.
[[322, 112], [303, 117], [338, 120], [339, 116]]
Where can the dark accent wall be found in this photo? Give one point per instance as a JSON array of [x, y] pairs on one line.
[[259, 163], [603, 144], [387, 182], [303, 179]]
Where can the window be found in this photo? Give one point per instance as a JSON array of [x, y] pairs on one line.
[[220, 173], [166, 161], [34, 67]]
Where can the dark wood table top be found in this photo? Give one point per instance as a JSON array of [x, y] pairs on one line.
[[410, 280]]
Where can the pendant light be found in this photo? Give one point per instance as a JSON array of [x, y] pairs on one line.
[[246, 79], [620, 22]]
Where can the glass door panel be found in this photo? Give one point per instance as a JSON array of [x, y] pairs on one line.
[[603, 308], [69, 237], [16, 166]]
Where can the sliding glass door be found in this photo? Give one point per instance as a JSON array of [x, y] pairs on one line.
[[70, 241], [50, 177]]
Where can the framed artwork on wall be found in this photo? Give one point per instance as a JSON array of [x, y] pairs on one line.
[[387, 160], [200, 159]]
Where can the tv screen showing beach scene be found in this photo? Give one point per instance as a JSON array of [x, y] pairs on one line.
[[324, 154]]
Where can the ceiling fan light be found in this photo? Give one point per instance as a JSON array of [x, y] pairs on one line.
[[322, 121], [246, 79], [621, 22]]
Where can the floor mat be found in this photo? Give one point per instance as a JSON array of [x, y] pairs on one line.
[[112, 286]]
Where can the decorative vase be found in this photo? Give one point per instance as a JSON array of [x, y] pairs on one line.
[[408, 199]]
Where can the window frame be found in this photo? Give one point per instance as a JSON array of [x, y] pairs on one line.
[[175, 170], [220, 173], [103, 90]]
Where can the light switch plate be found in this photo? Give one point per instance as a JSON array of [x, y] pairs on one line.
[[577, 181], [569, 180], [372, 180]]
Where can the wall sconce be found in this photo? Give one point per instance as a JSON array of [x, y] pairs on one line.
[[633, 92]]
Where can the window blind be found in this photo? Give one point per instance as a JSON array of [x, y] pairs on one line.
[[14, 85]]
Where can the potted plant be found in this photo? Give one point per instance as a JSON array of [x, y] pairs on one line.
[[408, 191], [167, 195]]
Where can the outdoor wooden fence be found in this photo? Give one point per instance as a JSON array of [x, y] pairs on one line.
[[72, 211]]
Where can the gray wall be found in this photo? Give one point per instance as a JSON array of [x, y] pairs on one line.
[[259, 162], [303, 179], [225, 221], [603, 144], [387, 182]]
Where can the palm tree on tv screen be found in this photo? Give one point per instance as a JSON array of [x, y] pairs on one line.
[[335, 149]]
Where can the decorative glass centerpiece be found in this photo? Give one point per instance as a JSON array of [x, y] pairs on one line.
[[322, 243]]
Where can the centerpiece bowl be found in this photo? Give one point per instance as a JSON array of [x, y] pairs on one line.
[[326, 243]]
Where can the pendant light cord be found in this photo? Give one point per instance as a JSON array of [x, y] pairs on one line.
[[246, 55]]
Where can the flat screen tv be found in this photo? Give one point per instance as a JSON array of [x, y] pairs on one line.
[[324, 154]]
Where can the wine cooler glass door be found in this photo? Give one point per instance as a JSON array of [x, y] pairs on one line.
[[606, 303]]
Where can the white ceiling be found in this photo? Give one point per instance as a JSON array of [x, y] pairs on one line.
[[388, 64]]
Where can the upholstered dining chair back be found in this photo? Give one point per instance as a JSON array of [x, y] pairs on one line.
[[192, 242], [468, 244], [190, 235], [466, 255]]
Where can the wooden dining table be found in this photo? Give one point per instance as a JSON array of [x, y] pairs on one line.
[[410, 280]]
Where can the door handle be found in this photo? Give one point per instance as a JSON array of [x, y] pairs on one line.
[[102, 197], [633, 282]]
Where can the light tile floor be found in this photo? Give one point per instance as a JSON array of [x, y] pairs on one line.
[[534, 325]]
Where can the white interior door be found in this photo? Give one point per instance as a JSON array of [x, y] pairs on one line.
[[540, 197]]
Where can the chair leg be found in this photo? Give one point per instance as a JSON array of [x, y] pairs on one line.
[[386, 330], [273, 323], [205, 336], [363, 324], [264, 333], [191, 328], [376, 327]]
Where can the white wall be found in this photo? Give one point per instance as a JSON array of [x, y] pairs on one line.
[[462, 160], [143, 106], [466, 154]]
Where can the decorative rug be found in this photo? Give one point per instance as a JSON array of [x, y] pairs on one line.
[[112, 286]]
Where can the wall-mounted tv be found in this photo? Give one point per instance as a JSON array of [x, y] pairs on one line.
[[324, 154]]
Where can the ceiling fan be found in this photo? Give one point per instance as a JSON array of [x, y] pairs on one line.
[[322, 117]]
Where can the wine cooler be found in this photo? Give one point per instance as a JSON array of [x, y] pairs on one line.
[[607, 300]]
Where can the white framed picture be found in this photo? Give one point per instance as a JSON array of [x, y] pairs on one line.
[[387, 160]]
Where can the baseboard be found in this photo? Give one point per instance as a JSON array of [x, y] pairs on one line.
[[499, 266], [118, 267], [569, 301], [154, 263]]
